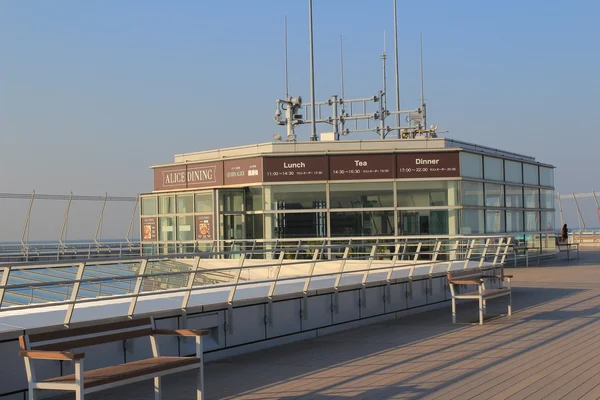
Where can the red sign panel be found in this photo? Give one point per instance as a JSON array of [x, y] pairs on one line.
[[149, 228], [427, 165], [290, 169], [204, 227], [361, 166], [239, 172]]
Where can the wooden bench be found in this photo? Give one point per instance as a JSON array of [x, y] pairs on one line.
[[56, 345], [565, 247], [457, 278]]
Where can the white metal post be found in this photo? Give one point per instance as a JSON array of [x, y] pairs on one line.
[[138, 287], [190, 283], [74, 294]]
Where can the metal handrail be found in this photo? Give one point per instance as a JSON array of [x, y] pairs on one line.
[[412, 262]]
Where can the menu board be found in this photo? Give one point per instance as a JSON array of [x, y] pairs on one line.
[[242, 171], [290, 169], [427, 165], [204, 227], [149, 228], [361, 166]]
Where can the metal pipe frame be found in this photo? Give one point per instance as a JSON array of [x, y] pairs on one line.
[[187, 289]]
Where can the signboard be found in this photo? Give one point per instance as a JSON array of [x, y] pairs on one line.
[[427, 165], [290, 169], [361, 166], [149, 228], [188, 176], [239, 172], [203, 175], [204, 227]]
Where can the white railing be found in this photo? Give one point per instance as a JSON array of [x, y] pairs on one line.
[[357, 264]]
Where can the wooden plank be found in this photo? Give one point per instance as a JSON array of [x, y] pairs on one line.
[[88, 330], [79, 343]]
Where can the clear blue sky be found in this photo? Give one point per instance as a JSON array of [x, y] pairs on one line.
[[94, 92]]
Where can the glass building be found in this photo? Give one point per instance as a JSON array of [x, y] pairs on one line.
[[332, 190]]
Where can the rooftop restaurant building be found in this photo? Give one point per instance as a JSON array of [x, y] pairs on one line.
[[337, 190]]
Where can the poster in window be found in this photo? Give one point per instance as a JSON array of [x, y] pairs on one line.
[[204, 227], [149, 228]]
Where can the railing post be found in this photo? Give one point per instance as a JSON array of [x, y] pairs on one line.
[[3, 283], [484, 252], [311, 271], [498, 248], [338, 278], [74, 294], [388, 288], [277, 269], [190, 283], [232, 293], [366, 275], [469, 252], [506, 247], [138, 287]]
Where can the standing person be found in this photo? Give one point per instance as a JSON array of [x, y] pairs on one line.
[[564, 233]]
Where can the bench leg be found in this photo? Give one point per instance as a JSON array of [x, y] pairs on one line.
[[157, 388], [481, 311], [32, 394], [453, 310], [200, 383], [509, 304], [79, 379], [485, 307]]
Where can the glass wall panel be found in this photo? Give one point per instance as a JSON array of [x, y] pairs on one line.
[[532, 197], [231, 200], [295, 197], [494, 195], [427, 222], [185, 228], [166, 204], [493, 168], [427, 193], [514, 196], [362, 223], [254, 226], [295, 225], [512, 171], [549, 243], [254, 199], [514, 221], [204, 202], [472, 222], [546, 198], [548, 221], [494, 221], [472, 193], [546, 176], [532, 221], [166, 228], [530, 174], [149, 205], [185, 203], [361, 195], [471, 165]]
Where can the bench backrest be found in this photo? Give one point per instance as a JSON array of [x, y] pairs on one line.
[[457, 275], [87, 336]]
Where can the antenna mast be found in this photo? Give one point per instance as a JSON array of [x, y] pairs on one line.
[[423, 106], [383, 92], [397, 74], [313, 123], [287, 94]]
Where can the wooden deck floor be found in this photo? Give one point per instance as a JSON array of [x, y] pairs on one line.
[[549, 348]]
